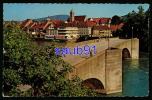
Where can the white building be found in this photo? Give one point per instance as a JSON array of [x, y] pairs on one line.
[[85, 28], [68, 32]]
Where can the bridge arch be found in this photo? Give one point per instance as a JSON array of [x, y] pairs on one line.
[[125, 53], [93, 83]]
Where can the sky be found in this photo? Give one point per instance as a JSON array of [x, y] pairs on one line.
[[23, 11]]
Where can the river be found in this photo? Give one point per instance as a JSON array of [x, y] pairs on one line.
[[135, 75]]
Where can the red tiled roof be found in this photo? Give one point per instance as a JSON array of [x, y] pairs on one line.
[[104, 20], [24, 23], [71, 24], [101, 27], [44, 23], [47, 26], [120, 25], [40, 25], [36, 26], [80, 24], [114, 27], [31, 24], [86, 24], [89, 23], [101, 20], [79, 18], [96, 20], [56, 21]]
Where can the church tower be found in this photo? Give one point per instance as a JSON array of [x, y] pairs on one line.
[[71, 15]]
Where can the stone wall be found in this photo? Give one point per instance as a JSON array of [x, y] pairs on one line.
[[132, 45], [135, 49], [93, 67], [106, 66], [113, 71]]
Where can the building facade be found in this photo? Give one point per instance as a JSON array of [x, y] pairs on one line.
[[85, 28], [74, 27], [76, 18], [69, 32], [85, 31], [101, 31]]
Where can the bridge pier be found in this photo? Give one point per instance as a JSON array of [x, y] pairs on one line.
[[135, 48], [113, 71]]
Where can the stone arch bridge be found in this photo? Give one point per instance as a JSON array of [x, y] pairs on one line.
[[103, 71]]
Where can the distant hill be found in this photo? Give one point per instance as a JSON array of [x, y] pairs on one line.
[[60, 17]]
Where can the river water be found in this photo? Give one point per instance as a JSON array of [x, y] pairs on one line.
[[135, 75], [135, 78]]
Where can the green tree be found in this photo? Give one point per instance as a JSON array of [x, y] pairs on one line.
[[139, 22], [45, 72], [116, 20], [116, 33]]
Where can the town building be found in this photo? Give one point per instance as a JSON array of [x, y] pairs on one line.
[[74, 27], [101, 21], [26, 23], [101, 31], [76, 18], [69, 30], [51, 30], [114, 28], [39, 28], [85, 28]]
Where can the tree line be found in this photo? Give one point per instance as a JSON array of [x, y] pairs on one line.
[[136, 25]]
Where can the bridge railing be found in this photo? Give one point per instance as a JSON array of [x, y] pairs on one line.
[[89, 41]]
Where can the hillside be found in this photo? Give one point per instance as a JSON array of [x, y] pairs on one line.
[[60, 17]]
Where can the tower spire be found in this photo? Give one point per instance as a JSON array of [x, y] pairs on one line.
[[71, 15]]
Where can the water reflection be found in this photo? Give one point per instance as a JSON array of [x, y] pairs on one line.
[[131, 63]]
